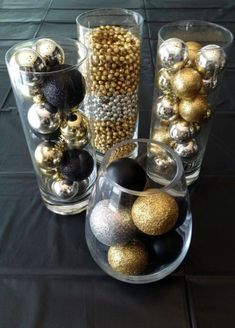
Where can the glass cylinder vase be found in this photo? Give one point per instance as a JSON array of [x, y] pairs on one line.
[[113, 39], [49, 90], [191, 56], [138, 223]]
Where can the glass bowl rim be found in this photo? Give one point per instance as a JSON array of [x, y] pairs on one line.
[[19, 45], [178, 174], [199, 22]]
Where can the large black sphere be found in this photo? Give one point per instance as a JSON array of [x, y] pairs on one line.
[[167, 247], [64, 89], [76, 165], [128, 173]]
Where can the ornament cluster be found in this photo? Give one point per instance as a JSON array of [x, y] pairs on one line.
[[188, 73], [138, 231], [54, 117], [112, 98]]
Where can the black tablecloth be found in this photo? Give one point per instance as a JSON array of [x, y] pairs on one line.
[[47, 277]]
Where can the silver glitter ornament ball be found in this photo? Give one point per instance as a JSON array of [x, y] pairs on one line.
[[111, 226], [209, 84], [64, 189], [182, 131], [167, 108], [43, 121], [50, 51], [173, 54], [210, 60], [186, 150]]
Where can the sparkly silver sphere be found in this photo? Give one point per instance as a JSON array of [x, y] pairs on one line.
[[182, 131], [210, 60], [209, 84], [167, 108], [75, 129], [111, 226], [164, 81], [48, 155], [43, 121], [64, 189], [173, 54], [186, 150], [50, 51]]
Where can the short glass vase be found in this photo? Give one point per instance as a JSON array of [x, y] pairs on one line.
[[139, 235]]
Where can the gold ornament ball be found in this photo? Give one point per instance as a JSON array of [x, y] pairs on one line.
[[193, 48], [129, 259], [155, 214], [75, 129], [195, 110], [48, 155], [161, 134], [186, 83]]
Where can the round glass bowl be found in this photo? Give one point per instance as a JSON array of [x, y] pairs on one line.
[[138, 223], [191, 56], [49, 90]]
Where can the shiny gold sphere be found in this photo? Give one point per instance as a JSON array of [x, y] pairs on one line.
[[186, 83], [75, 129], [129, 259], [155, 214], [48, 155], [195, 110], [193, 48], [161, 134]]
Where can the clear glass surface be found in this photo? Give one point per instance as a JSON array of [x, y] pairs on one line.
[[56, 130], [111, 204], [200, 33], [113, 39]]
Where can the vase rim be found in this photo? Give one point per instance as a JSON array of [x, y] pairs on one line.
[[199, 23], [28, 43]]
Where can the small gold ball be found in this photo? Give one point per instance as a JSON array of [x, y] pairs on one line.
[[48, 155], [129, 259], [155, 214], [186, 83], [193, 48], [161, 134], [195, 110]]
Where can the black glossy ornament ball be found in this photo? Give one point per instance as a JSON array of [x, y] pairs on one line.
[[166, 248], [64, 88], [128, 173], [76, 164]]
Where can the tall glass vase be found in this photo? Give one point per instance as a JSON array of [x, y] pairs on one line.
[[191, 56], [113, 39], [49, 90]]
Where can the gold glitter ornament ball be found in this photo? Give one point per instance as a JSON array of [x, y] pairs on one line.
[[195, 110], [156, 213], [193, 48], [129, 259], [161, 134], [186, 83]]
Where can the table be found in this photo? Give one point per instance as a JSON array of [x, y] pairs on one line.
[[47, 276]]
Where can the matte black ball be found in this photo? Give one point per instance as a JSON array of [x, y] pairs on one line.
[[183, 209], [128, 173], [166, 248], [64, 89], [76, 164]]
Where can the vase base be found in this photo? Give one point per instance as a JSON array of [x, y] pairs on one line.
[[192, 177], [69, 209]]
